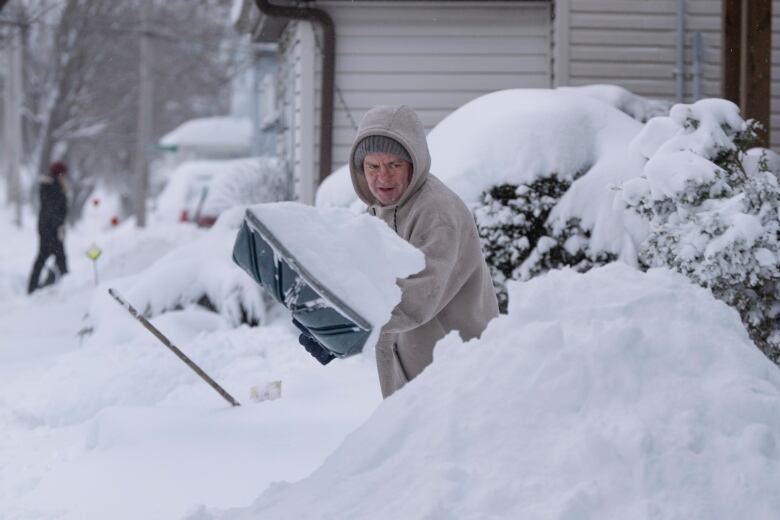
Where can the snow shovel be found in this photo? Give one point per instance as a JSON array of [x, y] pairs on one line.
[[263, 255]]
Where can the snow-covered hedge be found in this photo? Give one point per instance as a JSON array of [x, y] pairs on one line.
[[200, 272], [571, 177], [518, 240], [550, 158], [713, 210]]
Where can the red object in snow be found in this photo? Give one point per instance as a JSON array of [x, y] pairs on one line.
[[114, 221], [184, 217], [206, 221]]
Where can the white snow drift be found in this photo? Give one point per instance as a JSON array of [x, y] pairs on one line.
[[613, 394], [519, 135]]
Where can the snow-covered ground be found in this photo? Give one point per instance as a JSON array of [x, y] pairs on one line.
[[113, 425], [613, 394], [610, 394]]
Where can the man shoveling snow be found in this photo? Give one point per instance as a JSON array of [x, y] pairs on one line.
[[389, 164], [338, 273]]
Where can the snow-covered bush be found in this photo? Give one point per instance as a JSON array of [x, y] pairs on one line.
[[713, 210], [519, 242], [201, 272]]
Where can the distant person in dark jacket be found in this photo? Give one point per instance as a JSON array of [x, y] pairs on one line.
[[51, 226]]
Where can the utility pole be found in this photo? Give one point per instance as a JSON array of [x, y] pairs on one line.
[[145, 111], [12, 146]]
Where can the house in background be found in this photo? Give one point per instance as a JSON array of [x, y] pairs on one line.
[[437, 55]]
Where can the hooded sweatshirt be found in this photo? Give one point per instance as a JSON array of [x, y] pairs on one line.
[[455, 291]]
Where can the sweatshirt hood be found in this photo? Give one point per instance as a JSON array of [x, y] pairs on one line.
[[403, 125]]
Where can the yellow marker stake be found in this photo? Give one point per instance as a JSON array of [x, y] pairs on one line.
[[93, 253]]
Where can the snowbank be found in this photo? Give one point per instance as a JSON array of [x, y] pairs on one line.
[[519, 135], [515, 136], [100, 209], [184, 276], [613, 394], [638, 107], [97, 426], [336, 190]]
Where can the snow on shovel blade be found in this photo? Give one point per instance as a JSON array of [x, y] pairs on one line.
[[337, 326]]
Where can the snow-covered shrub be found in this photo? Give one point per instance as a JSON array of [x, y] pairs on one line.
[[531, 139], [200, 272], [517, 238], [713, 210], [569, 246]]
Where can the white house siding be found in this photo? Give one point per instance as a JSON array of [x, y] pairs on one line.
[[632, 43], [432, 56]]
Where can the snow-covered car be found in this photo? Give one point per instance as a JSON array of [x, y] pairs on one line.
[[199, 191]]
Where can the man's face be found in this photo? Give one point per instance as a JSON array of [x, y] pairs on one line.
[[387, 175]]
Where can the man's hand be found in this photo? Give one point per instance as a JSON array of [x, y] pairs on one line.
[[313, 346]]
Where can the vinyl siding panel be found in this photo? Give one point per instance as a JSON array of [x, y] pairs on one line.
[[433, 56], [632, 43]]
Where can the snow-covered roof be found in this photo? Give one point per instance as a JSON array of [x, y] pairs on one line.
[[211, 133]]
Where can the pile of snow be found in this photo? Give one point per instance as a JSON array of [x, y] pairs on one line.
[[613, 394], [337, 191], [209, 187], [347, 253], [201, 268], [221, 134], [96, 426], [640, 108], [101, 208], [517, 136]]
